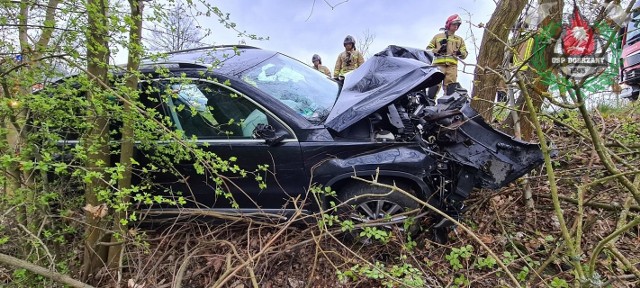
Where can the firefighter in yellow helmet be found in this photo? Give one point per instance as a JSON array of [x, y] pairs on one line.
[[348, 60], [317, 64], [447, 48]]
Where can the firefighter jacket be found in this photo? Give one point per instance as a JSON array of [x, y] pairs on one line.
[[323, 69], [348, 61], [524, 53], [455, 49]]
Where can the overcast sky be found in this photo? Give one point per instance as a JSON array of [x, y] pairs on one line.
[[301, 28]]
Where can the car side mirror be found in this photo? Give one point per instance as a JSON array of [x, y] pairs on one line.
[[269, 134]]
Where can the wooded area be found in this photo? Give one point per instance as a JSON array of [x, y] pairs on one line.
[[572, 222]]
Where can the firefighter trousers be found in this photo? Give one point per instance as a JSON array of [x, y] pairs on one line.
[[450, 75]]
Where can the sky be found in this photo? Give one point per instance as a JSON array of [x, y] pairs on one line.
[[301, 28]]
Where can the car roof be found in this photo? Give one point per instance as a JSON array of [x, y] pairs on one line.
[[226, 60]]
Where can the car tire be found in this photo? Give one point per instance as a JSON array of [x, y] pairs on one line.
[[360, 204]]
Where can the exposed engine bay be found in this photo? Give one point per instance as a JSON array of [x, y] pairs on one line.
[[469, 152]]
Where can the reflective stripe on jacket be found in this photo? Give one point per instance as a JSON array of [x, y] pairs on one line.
[[524, 53], [455, 44]]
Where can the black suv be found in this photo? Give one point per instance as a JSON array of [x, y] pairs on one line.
[[264, 108]]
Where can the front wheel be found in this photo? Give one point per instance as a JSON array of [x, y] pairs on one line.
[[368, 205]]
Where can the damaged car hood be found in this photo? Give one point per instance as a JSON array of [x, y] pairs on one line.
[[382, 79]]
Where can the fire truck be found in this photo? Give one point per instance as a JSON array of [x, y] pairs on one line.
[[630, 62]]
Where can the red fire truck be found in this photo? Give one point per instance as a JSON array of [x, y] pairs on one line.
[[630, 62]]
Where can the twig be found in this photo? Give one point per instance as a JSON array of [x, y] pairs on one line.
[[617, 278], [610, 207], [55, 276], [614, 250], [553, 186], [550, 258], [603, 152], [504, 232], [51, 261], [266, 248], [110, 243], [177, 281], [602, 244], [23, 64], [315, 261]]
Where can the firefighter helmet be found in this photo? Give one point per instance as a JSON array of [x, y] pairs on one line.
[[350, 39], [453, 19], [316, 57]]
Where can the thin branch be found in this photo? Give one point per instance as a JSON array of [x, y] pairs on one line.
[[23, 64], [21, 26], [599, 205], [64, 279], [311, 12], [51, 261], [335, 5], [603, 151], [604, 242], [631, 266], [553, 186], [177, 280]]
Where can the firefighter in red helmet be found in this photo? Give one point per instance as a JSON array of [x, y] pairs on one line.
[[447, 48]]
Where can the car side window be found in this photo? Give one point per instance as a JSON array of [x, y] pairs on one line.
[[152, 97], [210, 111]]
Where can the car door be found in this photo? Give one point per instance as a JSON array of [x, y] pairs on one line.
[[222, 122]]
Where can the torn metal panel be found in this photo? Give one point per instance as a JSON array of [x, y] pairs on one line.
[[385, 77], [498, 157]]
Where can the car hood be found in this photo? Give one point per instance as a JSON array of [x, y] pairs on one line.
[[382, 79]]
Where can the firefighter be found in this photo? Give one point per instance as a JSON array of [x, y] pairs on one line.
[[518, 61], [317, 64], [448, 47], [348, 60]]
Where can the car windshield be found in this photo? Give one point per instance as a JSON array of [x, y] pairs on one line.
[[298, 86]]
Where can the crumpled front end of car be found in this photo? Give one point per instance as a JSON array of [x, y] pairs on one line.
[[387, 99]]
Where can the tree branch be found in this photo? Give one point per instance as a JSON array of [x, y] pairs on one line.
[[64, 279], [49, 23]]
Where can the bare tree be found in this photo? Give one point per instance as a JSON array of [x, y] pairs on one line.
[[364, 42], [178, 31]]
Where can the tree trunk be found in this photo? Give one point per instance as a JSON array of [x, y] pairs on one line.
[[546, 53], [95, 256], [14, 92], [127, 146], [491, 54]]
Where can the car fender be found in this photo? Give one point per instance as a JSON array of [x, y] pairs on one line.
[[424, 192]]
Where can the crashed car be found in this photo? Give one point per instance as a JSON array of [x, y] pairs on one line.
[[264, 108]]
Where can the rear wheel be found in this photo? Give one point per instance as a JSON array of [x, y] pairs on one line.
[[369, 205]]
